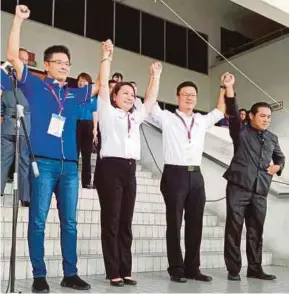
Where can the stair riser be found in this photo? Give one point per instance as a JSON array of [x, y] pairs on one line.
[[93, 246], [95, 265]]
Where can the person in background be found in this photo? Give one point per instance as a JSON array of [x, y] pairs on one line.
[[86, 130], [257, 158], [111, 84], [8, 113], [118, 77], [138, 102]]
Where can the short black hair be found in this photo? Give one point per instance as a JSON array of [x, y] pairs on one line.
[[118, 75], [255, 107], [242, 109], [133, 83], [186, 84], [112, 82], [55, 49]]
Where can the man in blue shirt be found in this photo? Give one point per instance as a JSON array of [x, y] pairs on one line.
[[8, 114], [53, 107], [86, 130]]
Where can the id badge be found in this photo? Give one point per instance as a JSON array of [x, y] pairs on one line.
[[56, 125]]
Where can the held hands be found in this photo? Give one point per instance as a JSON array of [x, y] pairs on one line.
[[156, 69], [228, 80], [22, 12], [273, 169], [107, 49]]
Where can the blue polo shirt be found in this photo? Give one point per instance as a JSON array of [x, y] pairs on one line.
[[85, 109], [5, 81], [42, 105]]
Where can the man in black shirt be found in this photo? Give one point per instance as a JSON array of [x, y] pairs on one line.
[[257, 158]]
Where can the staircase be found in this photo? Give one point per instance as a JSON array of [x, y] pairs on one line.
[[149, 230]]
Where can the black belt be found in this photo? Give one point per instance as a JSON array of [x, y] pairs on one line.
[[190, 168]]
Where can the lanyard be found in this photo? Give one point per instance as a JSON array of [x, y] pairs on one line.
[[185, 125], [60, 105], [128, 124]]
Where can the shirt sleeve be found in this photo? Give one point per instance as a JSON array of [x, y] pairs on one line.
[[28, 83], [213, 117], [158, 115]]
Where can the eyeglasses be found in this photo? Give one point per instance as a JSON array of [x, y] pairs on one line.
[[59, 62], [187, 95]]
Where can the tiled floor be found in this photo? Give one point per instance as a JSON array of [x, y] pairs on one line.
[[158, 282]]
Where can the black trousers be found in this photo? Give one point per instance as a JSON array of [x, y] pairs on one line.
[[117, 192], [183, 190], [252, 207], [84, 146]]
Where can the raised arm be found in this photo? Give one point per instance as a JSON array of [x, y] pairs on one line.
[[104, 72], [232, 108], [153, 86], [21, 13]]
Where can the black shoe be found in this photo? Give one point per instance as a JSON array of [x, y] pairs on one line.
[[178, 279], [200, 277], [40, 285], [75, 282], [25, 203], [260, 275], [129, 282], [118, 283], [233, 277]]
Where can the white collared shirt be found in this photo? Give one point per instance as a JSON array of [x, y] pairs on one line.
[[117, 138], [177, 148]]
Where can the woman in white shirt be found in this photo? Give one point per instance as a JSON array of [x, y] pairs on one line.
[[119, 123]]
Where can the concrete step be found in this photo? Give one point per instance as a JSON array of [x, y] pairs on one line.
[[93, 264], [92, 245], [93, 230]]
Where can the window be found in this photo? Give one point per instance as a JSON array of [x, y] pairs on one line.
[[152, 44], [40, 11], [69, 15], [99, 26], [176, 44], [8, 5], [127, 27], [197, 53]]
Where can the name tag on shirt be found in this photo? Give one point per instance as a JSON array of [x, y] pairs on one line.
[[56, 125]]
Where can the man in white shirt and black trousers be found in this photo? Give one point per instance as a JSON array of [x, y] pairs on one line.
[[182, 183]]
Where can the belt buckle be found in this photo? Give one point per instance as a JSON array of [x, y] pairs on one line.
[[191, 168]]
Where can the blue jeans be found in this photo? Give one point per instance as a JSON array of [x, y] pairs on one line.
[[60, 177]]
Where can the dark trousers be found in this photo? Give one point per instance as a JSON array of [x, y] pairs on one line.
[[117, 192], [8, 157], [84, 146], [252, 207], [183, 190]]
